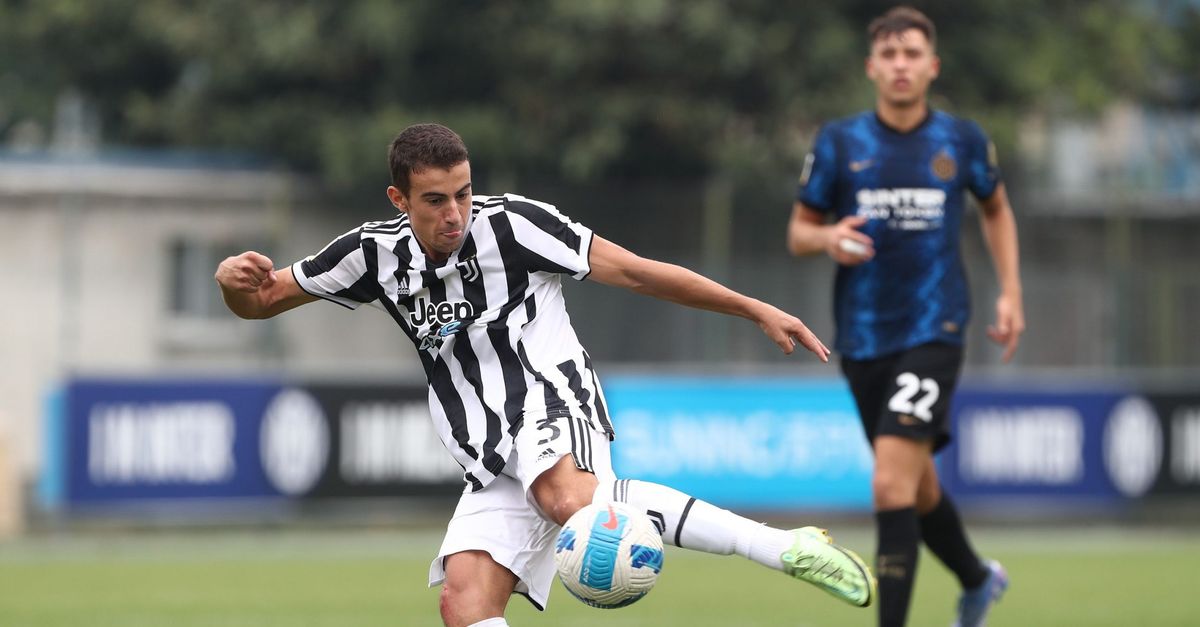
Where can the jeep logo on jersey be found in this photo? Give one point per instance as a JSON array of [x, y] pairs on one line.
[[425, 312]]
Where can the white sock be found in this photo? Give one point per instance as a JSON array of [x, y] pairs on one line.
[[694, 524], [491, 622]]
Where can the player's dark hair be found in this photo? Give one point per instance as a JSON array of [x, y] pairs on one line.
[[899, 19], [423, 146]]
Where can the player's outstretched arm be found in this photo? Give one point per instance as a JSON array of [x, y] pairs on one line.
[[808, 234], [253, 289], [613, 265], [1000, 231]]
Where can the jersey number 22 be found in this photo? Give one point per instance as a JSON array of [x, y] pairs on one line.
[[905, 401]]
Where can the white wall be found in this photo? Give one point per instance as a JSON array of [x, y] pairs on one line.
[[85, 273]]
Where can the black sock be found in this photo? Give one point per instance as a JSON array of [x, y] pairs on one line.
[[896, 562], [943, 532]]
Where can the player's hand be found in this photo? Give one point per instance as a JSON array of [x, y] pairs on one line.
[[846, 244], [1010, 324], [786, 330], [247, 272]]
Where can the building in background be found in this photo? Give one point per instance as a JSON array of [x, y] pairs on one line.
[[109, 261]]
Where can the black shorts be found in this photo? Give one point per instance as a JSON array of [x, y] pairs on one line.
[[907, 394]]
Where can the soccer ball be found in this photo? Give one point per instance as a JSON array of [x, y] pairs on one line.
[[609, 555]]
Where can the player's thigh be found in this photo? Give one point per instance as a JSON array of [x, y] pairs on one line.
[[899, 466], [902, 460], [500, 522], [868, 380], [563, 489], [917, 393], [541, 446]]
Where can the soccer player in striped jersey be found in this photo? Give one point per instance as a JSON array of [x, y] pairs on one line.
[[474, 282], [883, 194]]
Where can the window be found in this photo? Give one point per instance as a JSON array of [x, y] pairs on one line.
[[197, 322], [193, 292]]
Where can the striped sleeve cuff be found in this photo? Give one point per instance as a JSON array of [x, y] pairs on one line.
[[585, 250], [313, 287]]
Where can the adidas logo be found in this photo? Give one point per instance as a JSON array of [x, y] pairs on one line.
[[404, 286], [544, 454]]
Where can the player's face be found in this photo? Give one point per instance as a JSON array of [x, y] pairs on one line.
[[438, 204], [902, 66]]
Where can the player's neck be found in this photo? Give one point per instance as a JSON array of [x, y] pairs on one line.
[[902, 118], [431, 254]]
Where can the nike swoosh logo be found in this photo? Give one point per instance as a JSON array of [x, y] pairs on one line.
[[859, 166], [612, 519]]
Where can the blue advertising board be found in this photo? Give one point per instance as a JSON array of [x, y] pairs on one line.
[[767, 444], [162, 441], [1180, 415], [137, 440], [745, 443], [1052, 447]]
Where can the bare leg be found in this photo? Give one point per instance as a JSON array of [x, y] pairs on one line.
[[476, 588]]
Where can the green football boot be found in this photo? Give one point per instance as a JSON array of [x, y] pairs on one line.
[[816, 559]]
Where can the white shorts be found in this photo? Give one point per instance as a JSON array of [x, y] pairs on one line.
[[503, 520]]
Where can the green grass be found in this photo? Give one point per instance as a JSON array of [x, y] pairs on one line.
[[366, 578]]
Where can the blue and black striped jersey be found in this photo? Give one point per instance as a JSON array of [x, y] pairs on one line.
[[911, 187]]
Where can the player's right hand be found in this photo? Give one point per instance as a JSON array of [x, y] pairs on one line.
[[247, 272], [849, 254], [787, 331]]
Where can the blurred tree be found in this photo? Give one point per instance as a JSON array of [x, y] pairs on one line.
[[580, 91]]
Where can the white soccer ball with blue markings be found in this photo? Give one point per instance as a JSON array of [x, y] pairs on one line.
[[609, 555]]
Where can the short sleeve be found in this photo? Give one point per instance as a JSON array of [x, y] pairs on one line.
[[983, 168], [820, 173], [339, 272], [552, 242]]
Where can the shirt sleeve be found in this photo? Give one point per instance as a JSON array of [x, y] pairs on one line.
[[983, 168], [820, 173], [339, 272], [551, 241]]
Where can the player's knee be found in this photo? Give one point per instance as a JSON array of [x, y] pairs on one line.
[[461, 605], [450, 603], [563, 490], [561, 505], [928, 496], [463, 599], [560, 499], [892, 490]]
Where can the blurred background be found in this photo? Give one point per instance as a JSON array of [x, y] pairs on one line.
[[143, 142]]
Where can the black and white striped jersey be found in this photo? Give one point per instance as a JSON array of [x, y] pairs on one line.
[[489, 323]]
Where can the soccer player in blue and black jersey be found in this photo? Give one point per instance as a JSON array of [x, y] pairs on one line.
[[883, 194]]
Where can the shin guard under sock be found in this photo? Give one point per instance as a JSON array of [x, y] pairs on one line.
[[896, 562]]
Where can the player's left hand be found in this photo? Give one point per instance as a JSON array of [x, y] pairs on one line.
[[1010, 324], [786, 330]]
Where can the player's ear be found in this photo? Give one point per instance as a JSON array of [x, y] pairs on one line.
[[397, 197], [937, 65]]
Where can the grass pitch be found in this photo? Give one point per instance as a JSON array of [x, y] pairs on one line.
[[1074, 576]]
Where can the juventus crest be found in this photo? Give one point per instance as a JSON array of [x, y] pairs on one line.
[[469, 268]]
